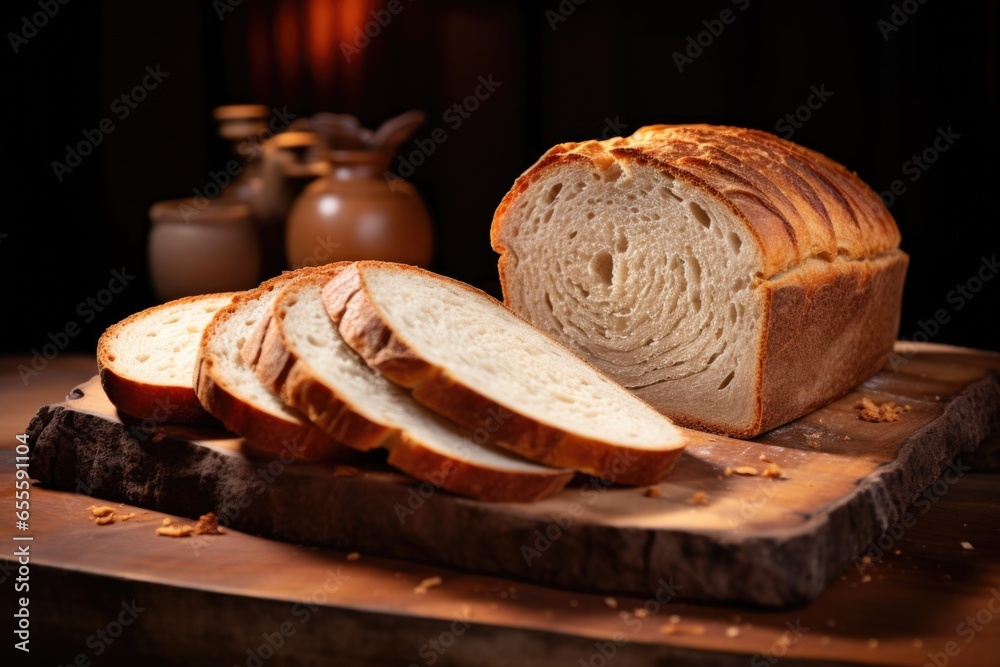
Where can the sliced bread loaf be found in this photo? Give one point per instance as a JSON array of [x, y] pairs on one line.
[[732, 279], [306, 361], [146, 361], [468, 357], [228, 388]]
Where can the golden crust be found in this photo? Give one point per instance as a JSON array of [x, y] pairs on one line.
[[797, 203]]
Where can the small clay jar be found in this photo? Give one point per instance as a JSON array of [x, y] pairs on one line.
[[201, 250], [356, 212]]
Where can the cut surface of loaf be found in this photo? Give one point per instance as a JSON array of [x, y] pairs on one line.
[[228, 388], [146, 361], [305, 360], [466, 356], [733, 280]]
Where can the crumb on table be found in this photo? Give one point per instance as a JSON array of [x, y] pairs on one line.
[[699, 498], [653, 492], [750, 471], [427, 584], [886, 412], [773, 471]]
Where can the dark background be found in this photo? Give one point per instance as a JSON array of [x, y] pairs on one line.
[[606, 64]]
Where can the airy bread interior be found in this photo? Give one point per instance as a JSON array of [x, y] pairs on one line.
[[485, 347], [159, 346], [589, 251]]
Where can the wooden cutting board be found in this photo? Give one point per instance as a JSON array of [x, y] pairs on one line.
[[757, 540]]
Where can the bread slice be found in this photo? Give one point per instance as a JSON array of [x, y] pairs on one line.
[[732, 279], [228, 388], [466, 356], [306, 361], [146, 361]]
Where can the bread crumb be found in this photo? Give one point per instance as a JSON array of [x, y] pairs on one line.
[[814, 435], [772, 471], [426, 585], [865, 579], [967, 545], [640, 613], [101, 511], [699, 498], [653, 492], [847, 437], [763, 457], [166, 522], [344, 471], [872, 643], [208, 524], [611, 602], [814, 445], [733, 631], [824, 640], [673, 618], [170, 530], [105, 520], [886, 412], [749, 471], [124, 517], [867, 560], [354, 555], [682, 630]]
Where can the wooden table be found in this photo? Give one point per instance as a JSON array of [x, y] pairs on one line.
[[182, 602]]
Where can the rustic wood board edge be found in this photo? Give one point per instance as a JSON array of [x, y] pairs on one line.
[[780, 568]]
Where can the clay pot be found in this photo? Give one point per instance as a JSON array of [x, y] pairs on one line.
[[356, 212], [198, 251]]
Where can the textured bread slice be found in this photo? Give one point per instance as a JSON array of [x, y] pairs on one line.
[[227, 387], [466, 356], [733, 280], [146, 361], [306, 361]]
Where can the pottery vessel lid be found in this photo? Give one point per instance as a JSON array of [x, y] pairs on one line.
[[199, 211]]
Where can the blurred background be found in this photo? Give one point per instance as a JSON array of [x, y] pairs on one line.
[[903, 93]]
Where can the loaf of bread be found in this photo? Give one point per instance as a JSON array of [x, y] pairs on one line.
[[732, 279], [467, 357]]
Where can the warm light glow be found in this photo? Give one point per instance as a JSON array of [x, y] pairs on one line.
[[353, 14], [322, 43]]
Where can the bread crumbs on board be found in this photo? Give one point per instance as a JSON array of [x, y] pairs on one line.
[[208, 524], [611, 602], [104, 515], [653, 492], [699, 498], [427, 584], [773, 471], [886, 412], [749, 471]]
